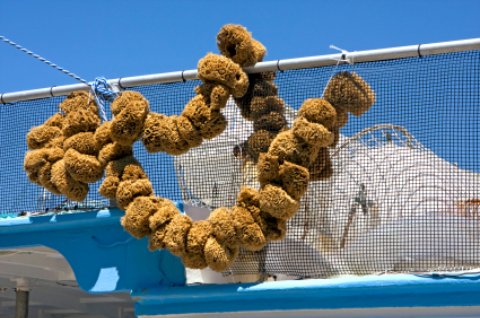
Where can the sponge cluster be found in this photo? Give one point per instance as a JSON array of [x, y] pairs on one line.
[[72, 149]]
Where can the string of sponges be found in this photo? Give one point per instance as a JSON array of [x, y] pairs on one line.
[[259, 216]]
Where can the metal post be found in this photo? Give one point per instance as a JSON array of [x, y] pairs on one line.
[[21, 303]]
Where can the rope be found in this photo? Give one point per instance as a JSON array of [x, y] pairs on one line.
[[42, 59], [101, 89], [103, 93]]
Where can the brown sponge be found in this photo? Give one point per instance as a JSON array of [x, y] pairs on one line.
[[219, 256], [130, 110], [136, 219], [38, 137], [176, 232], [272, 121], [83, 142], [165, 213], [268, 168], [80, 120], [319, 111], [263, 105], [197, 237], [294, 179], [321, 168], [161, 134], [221, 70], [128, 190], [71, 188], [210, 123], [82, 167], [276, 202], [257, 143], [349, 92], [77, 100], [223, 227], [113, 151], [286, 146], [237, 44], [188, 132], [249, 234], [315, 135], [102, 134], [216, 95]]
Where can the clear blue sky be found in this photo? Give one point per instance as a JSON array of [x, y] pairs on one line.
[[125, 38]]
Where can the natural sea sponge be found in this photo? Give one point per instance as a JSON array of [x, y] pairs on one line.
[[128, 190], [249, 234], [315, 135], [219, 256], [276, 202], [77, 100], [223, 227], [319, 111], [268, 168], [263, 105], [197, 237], [82, 167], [176, 232], [294, 179], [216, 95], [102, 134], [83, 142], [236, 43], [165, 213], [287, 146], [161, 134], [272, 121], [321, 168], [130, 110], [137, 214], [188, 132], [71, 188], [349, 92], [258, 142], [38, 137], [80, 120], [113, 151], [221, 70]]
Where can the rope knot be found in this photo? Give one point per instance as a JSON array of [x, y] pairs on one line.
[[103, 93]]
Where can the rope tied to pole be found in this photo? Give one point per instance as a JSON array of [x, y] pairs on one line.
[[103, 92], [42, 59]]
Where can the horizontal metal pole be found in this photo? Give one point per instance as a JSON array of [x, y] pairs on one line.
[[279, 65]]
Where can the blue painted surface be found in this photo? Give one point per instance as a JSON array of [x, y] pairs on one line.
[[102, 255], [338, 293]]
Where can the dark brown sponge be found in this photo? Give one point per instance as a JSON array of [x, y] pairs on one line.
[[347, 91], [258, 142], [272, 121]]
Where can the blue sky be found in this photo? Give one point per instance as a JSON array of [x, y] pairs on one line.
[[126, 38]]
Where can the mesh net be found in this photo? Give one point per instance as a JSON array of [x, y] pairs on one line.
[[404, 196]]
